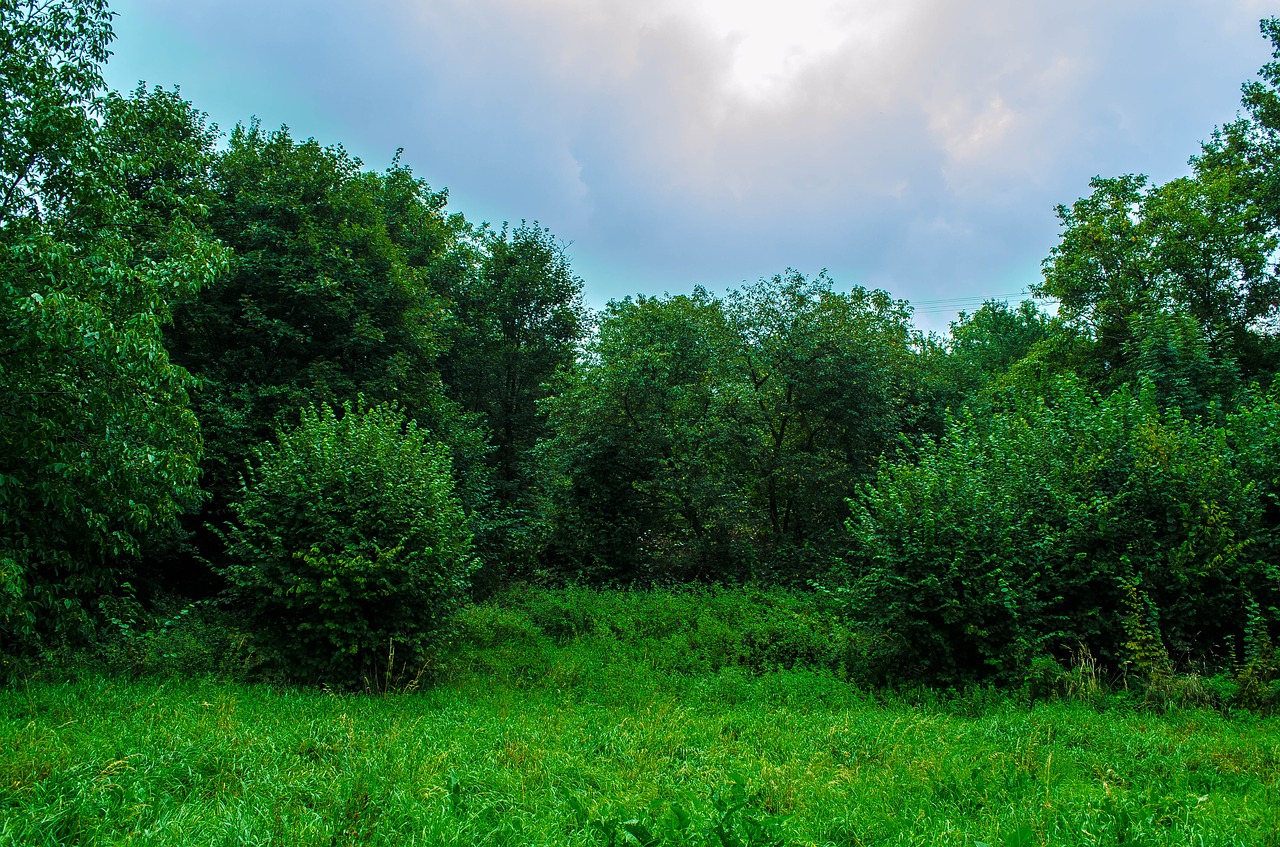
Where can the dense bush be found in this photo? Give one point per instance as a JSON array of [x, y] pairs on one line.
[[349, 547], [1058, 521]]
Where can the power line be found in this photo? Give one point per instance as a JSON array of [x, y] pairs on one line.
[[945, 305]]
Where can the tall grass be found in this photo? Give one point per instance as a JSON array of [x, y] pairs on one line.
[[581, 719]]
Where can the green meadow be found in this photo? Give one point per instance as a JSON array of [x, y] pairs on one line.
[[715, 717]]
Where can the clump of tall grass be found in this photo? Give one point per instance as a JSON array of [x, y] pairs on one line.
[[677, 631]]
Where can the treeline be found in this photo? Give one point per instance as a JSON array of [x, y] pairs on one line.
[[256, 373]]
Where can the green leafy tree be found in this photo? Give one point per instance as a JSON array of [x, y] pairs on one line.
[[518, 319], [322, 301], [827, 383], [1202, 246], [98, 451], [51, 57], [524, 318], [634, 469], [981, 348], [718, 439], [1100, 270], [349, 546], [1242, 161]]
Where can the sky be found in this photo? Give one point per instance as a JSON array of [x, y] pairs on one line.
[[919, 146]]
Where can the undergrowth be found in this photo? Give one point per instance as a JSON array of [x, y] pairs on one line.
[[711, 717]]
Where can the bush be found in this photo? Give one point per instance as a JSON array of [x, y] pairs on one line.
[[175, 637], [350, 551], [1055, 523]]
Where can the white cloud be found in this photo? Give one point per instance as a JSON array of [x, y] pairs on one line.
[[918, 144]]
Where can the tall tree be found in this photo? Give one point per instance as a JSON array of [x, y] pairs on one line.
[[518, 322], [98, 451], [1202, 246], [717, 439], [51, 56], [832, 383], [635, 469], [320, 304]]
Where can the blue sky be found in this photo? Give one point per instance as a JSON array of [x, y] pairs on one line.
[[918, 146]]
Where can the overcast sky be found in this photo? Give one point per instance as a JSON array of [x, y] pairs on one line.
[[913, 145]]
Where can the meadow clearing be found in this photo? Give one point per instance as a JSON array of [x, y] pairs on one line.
[[718, 717]]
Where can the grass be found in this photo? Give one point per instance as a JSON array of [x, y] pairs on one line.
[[627, 725]]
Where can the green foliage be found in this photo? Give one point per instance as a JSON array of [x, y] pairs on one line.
[[1190, 246], [172, 639], [1082, 681], [982, 347], [824, 384], [676, 632], [517, 323], [349, 545], [321, 302], [1059, 521], [517, 320], [1169, 350], [51, 57], [98, 448], [633, 480], [732, 818], [1201, 246], [709, 439]]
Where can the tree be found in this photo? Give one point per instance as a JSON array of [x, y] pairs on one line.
[[831, 384], [634, 469], [517, 321], [718, 439], [99, 451], [51, 56], [1100, 269], [983, 346], [1202, 245], [518, 317], [320, 303]]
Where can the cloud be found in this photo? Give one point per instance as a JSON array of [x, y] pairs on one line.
[[914, 144]]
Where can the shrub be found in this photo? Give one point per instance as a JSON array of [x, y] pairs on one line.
[[349, 551], [175, 637], [1057, 522]]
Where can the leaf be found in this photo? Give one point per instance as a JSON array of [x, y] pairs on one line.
[[1023, 836]]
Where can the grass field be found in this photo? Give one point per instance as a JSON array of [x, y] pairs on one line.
[[573, 720]]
